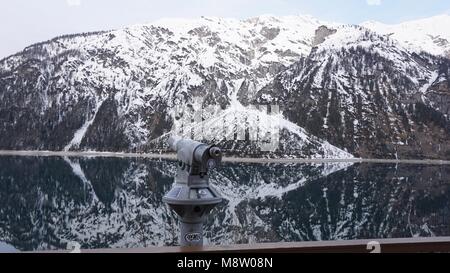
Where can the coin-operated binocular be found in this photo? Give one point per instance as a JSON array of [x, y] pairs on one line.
[[191, 196]]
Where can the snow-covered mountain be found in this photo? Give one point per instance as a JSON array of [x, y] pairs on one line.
[[431, 35], [367, 93], [118, 90]]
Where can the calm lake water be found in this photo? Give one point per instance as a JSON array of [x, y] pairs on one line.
[[46, 202]]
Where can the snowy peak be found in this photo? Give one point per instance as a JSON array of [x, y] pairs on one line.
[[351, 37], [265, 35], [431, 35]]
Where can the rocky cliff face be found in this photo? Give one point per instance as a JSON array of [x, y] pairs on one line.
[[350, 90], [321, 34]]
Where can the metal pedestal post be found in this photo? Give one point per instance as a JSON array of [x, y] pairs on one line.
[[191, 234]]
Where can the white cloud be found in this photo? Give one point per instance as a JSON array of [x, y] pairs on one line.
[[73, 3], [373, 2]]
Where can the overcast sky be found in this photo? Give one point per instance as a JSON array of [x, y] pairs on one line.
[[23, 22]]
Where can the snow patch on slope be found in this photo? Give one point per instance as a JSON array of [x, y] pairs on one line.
[[235, 120], [79, 134]]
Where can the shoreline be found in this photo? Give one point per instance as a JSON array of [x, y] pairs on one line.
[[172, 156]]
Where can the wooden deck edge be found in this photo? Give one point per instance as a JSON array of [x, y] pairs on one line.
[[399, 245]]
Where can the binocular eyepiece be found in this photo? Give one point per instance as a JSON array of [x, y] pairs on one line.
[[198, 156]]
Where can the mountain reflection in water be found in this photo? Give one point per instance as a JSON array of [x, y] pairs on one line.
[[46, 202]]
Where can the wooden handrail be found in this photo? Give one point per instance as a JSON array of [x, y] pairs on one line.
[[401, 245]]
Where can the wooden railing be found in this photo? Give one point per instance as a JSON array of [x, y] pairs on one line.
[[404, 245]]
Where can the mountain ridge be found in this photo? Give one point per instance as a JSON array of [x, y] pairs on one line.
[[425, 34]]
